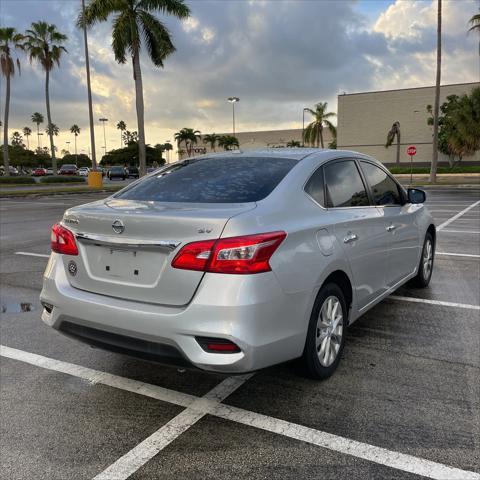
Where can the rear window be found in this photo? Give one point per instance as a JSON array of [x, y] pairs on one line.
[[68, 167], [212, 180]]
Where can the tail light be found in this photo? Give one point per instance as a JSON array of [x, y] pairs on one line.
[[63, 240], [217, 345], [238, 255]]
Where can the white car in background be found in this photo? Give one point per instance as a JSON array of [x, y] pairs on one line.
[[83, 172]]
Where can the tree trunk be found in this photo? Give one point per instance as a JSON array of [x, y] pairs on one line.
[[49, 119], [6, 163], [137, 75], [398, 147], [321, 137], [76, 158], [89, 94], [28, 143], [436, 108], [38, 136]]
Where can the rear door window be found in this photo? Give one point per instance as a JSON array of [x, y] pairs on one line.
[[315, 187], [384, 189], [344, 185], [212, 180]]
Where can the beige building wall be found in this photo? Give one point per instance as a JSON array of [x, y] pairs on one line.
[[262, 139], [364, 120]]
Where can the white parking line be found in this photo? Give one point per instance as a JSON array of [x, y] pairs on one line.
[[435, 302], [151, 446], [204, 405], [476, 232], [457, 254], [32, 254], [458, 215]]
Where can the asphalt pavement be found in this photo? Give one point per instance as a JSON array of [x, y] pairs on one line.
[[404, 403]]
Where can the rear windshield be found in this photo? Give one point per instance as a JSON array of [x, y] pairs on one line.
[[69, 167], [212, 180], [116, 169]]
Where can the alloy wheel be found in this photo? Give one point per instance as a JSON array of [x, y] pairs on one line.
[[427, 259], [329, 331]]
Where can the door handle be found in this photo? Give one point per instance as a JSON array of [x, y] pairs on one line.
[[391, 228], [350, 237]]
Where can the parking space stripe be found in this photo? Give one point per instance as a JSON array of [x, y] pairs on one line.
[[435, 302], [457, 254], [151, 446], [458, 215], [382, 456], [32, 254], [209, 404], [98, 377], [475, 232]]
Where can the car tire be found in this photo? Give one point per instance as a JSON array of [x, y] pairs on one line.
[[425, 268], [326, 333]]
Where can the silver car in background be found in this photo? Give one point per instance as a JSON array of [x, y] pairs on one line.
[[237, 261]]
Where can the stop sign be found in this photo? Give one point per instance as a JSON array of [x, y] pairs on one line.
[[412, 150]]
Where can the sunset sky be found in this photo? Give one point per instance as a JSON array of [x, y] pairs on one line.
[[277, 56]]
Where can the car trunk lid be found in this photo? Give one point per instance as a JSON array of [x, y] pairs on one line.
[[126, 247]]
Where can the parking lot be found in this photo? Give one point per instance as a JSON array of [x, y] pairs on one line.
[[404, 403]]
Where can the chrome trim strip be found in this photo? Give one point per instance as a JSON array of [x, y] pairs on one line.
[[126, 242]]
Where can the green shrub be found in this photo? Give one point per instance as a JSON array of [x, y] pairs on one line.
[[425, 170], [62, 179], [17, 180]]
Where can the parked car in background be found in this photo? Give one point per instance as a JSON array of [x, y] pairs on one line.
[[116, 172], [13, 171], [132, 172], [83, 171], [68, 169], [49, 171], [151, 169], [39, 172], [235, 262]]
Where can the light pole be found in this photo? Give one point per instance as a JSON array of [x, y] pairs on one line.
[[233, 101], [104, 120], [67, 146], [303, 126]]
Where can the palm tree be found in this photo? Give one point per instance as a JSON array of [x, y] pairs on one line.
[[9, 40], [38, 119], [17, 140], [475, 27], [314, 131], [75, 129], [121, 125], [228, 142], [43, 43], [436, 108], [293, 143], [27, 131], [392, 133], [212, 139], [52, 130], [189, 136], [134, 22]]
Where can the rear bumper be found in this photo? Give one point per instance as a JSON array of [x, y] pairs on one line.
[[252, 311]]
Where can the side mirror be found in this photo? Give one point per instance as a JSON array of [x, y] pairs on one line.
[[415, 195]]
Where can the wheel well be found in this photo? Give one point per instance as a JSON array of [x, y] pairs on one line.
[[433, 233], [340, 278]]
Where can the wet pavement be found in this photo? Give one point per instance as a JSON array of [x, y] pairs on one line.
[[408, 383]]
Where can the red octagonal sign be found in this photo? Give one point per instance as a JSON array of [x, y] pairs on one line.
[[412, 150]]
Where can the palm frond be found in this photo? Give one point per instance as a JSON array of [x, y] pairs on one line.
[[177, 8], [121, 37], [157, 38]]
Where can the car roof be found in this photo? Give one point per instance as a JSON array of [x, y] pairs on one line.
[[298, 153]]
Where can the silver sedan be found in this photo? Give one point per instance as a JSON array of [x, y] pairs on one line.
[[238, 261]]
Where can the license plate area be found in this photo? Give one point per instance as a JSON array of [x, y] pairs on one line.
[[125, 265]]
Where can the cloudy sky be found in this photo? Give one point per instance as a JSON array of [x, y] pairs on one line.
[[276, 55]]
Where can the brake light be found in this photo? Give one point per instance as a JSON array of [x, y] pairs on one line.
[[217, 345], [63, 240], [238, 255]]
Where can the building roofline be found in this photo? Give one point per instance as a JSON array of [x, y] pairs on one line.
[[409, 88]]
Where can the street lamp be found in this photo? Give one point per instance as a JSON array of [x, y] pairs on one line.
[[233, 101], [303, 126], [104, 120]]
